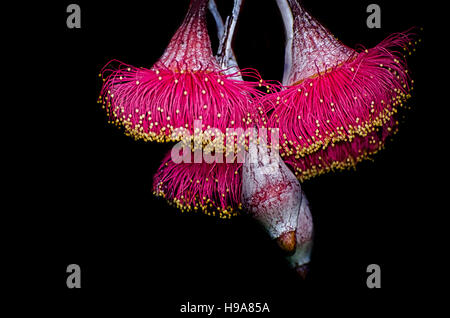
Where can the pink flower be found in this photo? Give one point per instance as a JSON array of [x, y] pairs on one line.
[[211, 188], [186, 84], [218, 97], [338, 105]]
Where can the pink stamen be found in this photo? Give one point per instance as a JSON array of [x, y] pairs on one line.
[[214, 189]]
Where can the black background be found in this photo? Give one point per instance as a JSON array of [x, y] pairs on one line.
[[90, 186]]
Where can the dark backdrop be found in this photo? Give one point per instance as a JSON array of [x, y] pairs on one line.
[[92, 201]]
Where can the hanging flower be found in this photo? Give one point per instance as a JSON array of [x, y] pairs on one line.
[[186, 84], [211, 188], [230, 107], [338, 105]]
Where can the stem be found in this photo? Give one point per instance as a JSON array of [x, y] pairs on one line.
[[288, 21], [217, 17], [225, 54], [230, 29]]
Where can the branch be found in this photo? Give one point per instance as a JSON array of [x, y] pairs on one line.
[[217, 17], [225, 54], [288, 21], [231, 26]]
